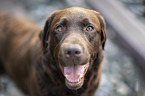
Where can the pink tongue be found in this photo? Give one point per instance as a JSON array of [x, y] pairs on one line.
[[74, 73]]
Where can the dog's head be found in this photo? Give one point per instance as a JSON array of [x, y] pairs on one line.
[[74, 36]]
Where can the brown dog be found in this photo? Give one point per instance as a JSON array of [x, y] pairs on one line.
[[66, 59]]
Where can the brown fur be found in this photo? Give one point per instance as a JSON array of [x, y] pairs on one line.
[[19, 45], [34, 68]]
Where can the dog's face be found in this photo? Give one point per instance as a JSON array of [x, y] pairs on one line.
[[75, 37]]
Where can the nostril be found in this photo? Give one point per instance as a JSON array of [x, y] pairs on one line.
[[68, 53], [77, 52]]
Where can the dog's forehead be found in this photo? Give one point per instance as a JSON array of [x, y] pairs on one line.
[[76, 14]]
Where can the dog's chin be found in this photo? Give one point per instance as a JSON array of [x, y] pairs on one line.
[[74, 75], [74, 85]]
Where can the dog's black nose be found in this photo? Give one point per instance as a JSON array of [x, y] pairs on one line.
[[73, 51]]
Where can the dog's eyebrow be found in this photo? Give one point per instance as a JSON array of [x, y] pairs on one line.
[[85, 22], [63, 21]]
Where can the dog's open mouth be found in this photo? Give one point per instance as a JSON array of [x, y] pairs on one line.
[[74, 75]]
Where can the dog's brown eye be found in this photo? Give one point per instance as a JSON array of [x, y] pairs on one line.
[[89, 28], [59, 28]]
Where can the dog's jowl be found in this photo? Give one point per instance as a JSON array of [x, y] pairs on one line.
[[62, 59]]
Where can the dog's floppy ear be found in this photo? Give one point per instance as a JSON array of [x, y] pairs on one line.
[[103, 30], [46, 30]]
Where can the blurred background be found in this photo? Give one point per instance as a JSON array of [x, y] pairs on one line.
[[123, 71]]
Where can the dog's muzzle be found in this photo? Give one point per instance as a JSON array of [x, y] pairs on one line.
[[74, 60]]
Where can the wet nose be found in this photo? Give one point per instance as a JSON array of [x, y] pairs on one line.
[[73, 51]]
